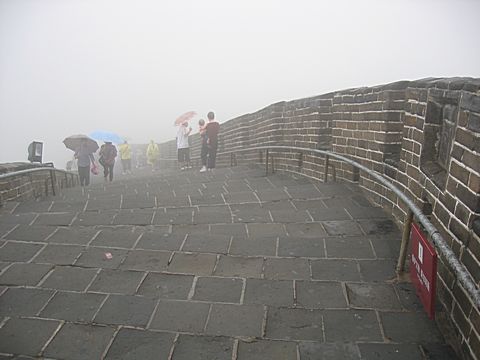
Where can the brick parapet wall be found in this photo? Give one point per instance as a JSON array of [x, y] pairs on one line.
[[31, 185], [388, 129]]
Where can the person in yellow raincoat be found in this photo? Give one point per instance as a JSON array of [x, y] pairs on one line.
[[125, 151], [152, 154]]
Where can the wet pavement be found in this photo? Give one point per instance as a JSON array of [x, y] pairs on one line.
[[228, 264]]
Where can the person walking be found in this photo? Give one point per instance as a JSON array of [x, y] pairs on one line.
[[183, 147], [212, 130], [204, 147], [108, 153], [126, 157], [152, 154], [84, 160]]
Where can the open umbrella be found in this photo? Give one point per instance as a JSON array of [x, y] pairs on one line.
[[73, 142], [185, 117], [106, 136]]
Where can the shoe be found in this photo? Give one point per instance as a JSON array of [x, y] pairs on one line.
[[203, 169]]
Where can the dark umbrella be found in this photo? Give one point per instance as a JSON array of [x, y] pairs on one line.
[[73, 142]]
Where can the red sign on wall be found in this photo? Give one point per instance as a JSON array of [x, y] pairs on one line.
[[423, 269]]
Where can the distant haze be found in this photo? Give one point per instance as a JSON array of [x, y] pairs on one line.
[[132, 67]]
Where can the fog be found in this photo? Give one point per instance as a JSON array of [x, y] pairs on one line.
[[131, 67]]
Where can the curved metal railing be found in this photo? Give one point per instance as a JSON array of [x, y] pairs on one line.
[[52, 178], [441, 245]]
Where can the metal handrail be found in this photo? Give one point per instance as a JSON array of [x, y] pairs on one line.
[[50, 169], [458, 268]]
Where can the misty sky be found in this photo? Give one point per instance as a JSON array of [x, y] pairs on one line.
[[132, 67]]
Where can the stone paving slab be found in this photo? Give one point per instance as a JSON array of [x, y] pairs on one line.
[[225, 265], [134, 344]]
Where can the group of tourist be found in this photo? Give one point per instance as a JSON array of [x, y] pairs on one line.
[[108, 152]]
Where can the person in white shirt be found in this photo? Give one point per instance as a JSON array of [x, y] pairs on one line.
[[183, 147]]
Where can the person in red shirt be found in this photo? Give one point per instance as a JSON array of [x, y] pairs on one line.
[[212, 129]]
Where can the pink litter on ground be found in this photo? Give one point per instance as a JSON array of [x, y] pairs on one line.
[[108, 255]]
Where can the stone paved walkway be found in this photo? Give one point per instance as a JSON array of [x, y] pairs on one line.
[[224, 265]]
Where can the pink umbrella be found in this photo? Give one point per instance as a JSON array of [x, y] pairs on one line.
[[185, 117]]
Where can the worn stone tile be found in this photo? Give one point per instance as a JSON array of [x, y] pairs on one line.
[[59, 254], [301, 247], [137, 202], [320, 294], [409, 327], [75, 341], [160, 241], [366, 212], [207, 198], [240, 197], [122, 237], [267, 349], [235, 320], [92, 218], [207, 244], [26, 336], [286, 269], [377, 270], [309, 204], [212, 215], [385, 247], [350, 247], [117, 281], [166, 286], [72, 306], [373, 296], [239, 230], [271, 194], [184, 229], [239, 266], [203, 348], [342, 228], [250, 213], [322, 214], [340, 270], [351, 326], [16, 218], [307, 191], [196, 264], [73, 235], [147, 260], [137, 217], [378, 226], [31, 233], [98, 258], [305, 230], [68, 206], [5, 228], [69, 278], [174, 216], [262, 230], [55, 219], [217, 289], [104, 203], [16, 302], [408, 297], [290, 216], [18, 251], [269, 292], [390, 351], [126, 310], [294, 324], [137, 344], [257, 246], [25, 274], [184, 316], [328, 351]]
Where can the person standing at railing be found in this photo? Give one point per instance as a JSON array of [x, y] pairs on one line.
[[212, 129], [84, 160], [202, 129]]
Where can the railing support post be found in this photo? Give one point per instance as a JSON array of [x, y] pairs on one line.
[[266, 162], [325, 176], [52, 179], [405, 240]]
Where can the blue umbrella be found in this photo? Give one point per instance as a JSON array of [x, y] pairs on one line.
[[106, 136]]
